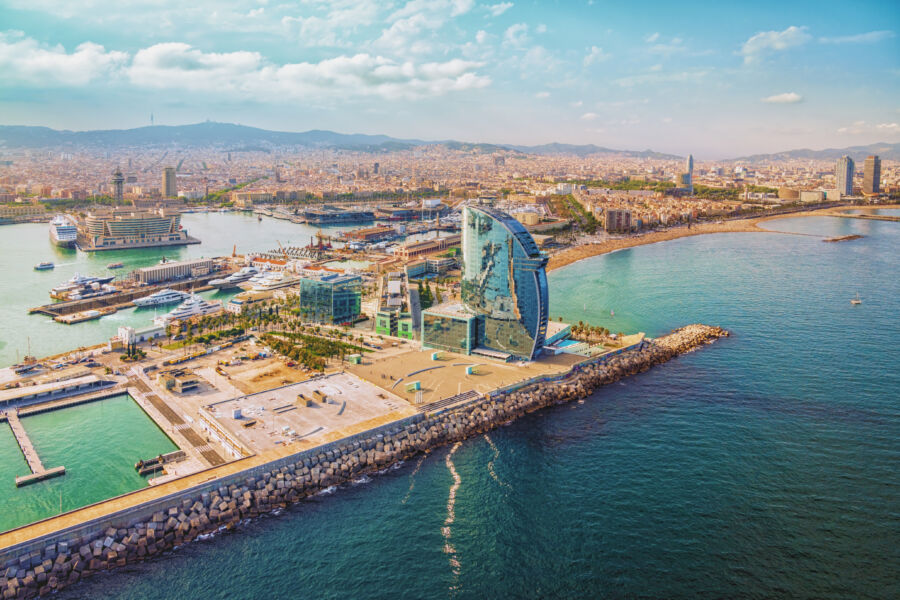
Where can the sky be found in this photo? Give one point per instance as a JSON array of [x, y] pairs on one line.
[[718, 80]]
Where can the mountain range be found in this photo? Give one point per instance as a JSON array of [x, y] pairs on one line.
[[238, 138]]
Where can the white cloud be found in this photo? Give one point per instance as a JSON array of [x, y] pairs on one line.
[[417, 17], [767, 42], [179, 66], [785, 98], [864, 128], [498, 9], [594, 56], [861, 38], [542, 95], [24, 59], [589, 116], [541, 28], [652, 38], [516, 35], [656, 77], [331, 27], [576, 103], [481, 37]]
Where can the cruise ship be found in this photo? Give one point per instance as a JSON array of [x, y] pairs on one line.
[[272, 281], [194, 306], [233, 280], [161, 297], [63, 231]]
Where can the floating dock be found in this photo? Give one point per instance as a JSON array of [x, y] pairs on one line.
[[38, 471]]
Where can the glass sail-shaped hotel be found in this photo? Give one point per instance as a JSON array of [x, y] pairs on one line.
[[504, 292]]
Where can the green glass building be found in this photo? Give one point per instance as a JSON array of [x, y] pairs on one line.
[[333, 299]]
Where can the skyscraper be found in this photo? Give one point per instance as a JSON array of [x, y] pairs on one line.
[[169, 189], [685, 179], [872, 175], [843, 173], [118, 185]]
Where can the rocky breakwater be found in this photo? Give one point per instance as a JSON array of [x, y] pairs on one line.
[[57, 561]]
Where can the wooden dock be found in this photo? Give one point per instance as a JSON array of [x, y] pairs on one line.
[[38, 471]]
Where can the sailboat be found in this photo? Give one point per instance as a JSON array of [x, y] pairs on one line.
[[856, 300], [612, 313]]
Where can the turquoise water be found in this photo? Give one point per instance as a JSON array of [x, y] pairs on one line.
[[98, 443], [23, 246], [763, 466]]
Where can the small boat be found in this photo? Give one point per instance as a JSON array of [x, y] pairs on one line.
[[856, 300], [43, 266], [259, 218], [115, 265], [612, 313]]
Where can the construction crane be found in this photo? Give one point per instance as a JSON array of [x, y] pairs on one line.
[[283, 251]]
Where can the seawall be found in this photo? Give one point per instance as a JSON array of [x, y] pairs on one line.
[[51, 562]]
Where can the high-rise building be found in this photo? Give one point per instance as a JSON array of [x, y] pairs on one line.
[[503, 290], [872, 175], [843, 173], [685, 179], [169, 188], [118, 186]]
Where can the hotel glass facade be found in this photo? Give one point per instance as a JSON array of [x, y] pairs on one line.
[[453, 333], [503, 283]]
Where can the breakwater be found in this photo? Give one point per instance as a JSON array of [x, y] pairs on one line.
[[54, 561]]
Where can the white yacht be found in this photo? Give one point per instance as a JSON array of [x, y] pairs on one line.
[[161, 297], [63, 231], [233, 280], [273, 281], [194, 306]]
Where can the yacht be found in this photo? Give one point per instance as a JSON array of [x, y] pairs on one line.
[[856, 300], [43, 266], [233, 280], [194, 306], [63, 231], [115, 265], [79, 283], [166, 296], [274, 281]]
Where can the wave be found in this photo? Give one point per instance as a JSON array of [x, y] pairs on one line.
[[412, 479], [449, 549], [490, 465]]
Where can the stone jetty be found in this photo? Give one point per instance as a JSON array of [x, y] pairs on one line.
[[56, 561]]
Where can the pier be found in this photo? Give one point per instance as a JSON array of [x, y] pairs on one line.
[[120, 300], [38, 471], [867, 217]]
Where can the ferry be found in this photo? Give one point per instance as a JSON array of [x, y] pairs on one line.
[[233, 280], [63, 231], [194, 306], [161, 297], [115, 265], [43, 266]]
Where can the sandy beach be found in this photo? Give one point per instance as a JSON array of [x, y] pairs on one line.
[[576, 253]]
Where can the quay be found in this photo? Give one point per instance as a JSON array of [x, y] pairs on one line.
[[845, 215], [121, 300], [38, 471]]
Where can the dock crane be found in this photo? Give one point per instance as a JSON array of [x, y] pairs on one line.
[[283, 251]]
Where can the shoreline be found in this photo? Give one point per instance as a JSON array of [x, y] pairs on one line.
[[35, 565], [578, 253]]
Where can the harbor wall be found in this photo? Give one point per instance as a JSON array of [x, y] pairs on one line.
[[51, 562]]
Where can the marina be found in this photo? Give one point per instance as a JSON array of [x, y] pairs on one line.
[[38, 472]]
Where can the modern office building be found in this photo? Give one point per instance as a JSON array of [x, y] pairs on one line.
[[872, 175], [843, 174], [169, 187], [331, 298], [118, 229], [503, 290], [685, 179]]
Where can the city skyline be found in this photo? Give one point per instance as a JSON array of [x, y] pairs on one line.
[[678, 80]]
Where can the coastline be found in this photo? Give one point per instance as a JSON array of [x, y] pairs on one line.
[[67, 549], [577, 253]]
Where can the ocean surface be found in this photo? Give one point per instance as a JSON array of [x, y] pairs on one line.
[[765, 465]]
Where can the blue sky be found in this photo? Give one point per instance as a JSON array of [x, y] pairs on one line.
[[717, 80]]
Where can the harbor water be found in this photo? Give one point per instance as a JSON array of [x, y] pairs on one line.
[[97, 443], [763, 466], [22, 246]]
